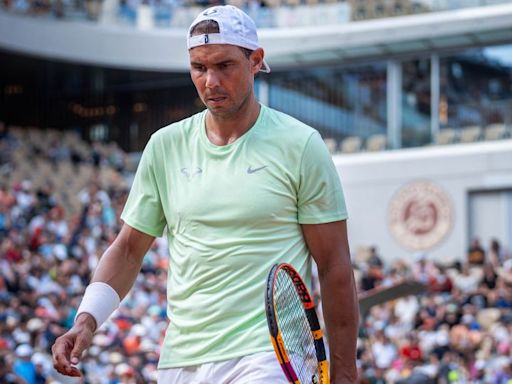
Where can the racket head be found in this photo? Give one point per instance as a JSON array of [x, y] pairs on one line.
[[294, 327]]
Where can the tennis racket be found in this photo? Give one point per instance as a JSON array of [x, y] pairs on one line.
[[294, 327]]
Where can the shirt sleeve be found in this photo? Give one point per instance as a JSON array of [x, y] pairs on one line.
[[320, 195], [143, 209]]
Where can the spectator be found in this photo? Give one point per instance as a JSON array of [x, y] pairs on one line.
[[465, 278], [23, 366], [496, 254], [411, 349], [476, 254], [374, 259], [406, 310], [384, 351], [504, 375]]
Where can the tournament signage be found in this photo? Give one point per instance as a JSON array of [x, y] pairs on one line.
[[420, 215]]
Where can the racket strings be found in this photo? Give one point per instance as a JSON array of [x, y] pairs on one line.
[[295, 329]]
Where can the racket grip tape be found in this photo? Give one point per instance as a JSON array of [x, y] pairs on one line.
[[313, 319]]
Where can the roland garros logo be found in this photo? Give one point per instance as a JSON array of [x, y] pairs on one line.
[[420, 215]]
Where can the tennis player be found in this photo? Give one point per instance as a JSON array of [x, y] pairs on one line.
[[236, 188]]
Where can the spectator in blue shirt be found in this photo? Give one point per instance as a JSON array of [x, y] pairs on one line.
[[23, 366]]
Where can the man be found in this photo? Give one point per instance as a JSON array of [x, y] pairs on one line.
[[239, 187]]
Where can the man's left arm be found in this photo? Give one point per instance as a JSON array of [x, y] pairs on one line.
[[328, 245]]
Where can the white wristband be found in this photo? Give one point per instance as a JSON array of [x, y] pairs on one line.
[[99, 300]]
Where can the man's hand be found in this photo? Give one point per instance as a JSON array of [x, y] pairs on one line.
[[68, 348]]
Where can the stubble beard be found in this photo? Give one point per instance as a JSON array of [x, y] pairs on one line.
[[231, 111]]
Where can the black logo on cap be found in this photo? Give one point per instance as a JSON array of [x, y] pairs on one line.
[[210, 12]]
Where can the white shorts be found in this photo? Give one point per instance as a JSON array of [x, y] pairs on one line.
[[259, 368]]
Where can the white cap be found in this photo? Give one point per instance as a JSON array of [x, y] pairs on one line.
[[24, 350], [235, 28], [139, 330]]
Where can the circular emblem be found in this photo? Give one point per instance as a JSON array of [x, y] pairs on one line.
[[420, 215]]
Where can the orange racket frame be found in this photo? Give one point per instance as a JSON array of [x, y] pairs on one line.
[[309, 312]]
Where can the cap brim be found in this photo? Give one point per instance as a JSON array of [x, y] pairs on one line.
[[265, 68]]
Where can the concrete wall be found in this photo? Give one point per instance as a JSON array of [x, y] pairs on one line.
[[422, 195]]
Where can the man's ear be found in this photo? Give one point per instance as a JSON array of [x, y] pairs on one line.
[[257, 60]]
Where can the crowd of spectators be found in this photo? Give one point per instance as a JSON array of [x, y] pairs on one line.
[[47, 256], [125, 10], [458, 331], [169, 13]]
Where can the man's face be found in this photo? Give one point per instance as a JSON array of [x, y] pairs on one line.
[[223, 77]]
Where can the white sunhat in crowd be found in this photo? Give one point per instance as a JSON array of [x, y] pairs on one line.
[[24, 350]]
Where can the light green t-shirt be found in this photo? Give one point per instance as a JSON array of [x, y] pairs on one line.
[[231, 213]]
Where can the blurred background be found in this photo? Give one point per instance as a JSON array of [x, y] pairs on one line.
[[412, 97]]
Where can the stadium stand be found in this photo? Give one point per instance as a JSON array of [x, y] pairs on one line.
[[267, 13], [60, 200], [377, 142], [341, 92], [495, 132], [60, 196], [459, 328], [470, 134], [332, 145], [452, 333], [351, 144], [63, 162], [446, 136]]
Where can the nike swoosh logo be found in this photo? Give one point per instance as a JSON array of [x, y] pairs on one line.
[[252, 170]]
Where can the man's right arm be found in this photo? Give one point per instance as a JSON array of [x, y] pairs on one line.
[[118, 267]]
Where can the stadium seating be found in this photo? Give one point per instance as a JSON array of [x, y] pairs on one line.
[[34, 160], [462, 300], [377, 142], [495, 132], [446, 136], [331, 144], [470, 134], [351, 144]]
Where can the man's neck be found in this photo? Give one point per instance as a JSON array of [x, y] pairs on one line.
[[224, 130]]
